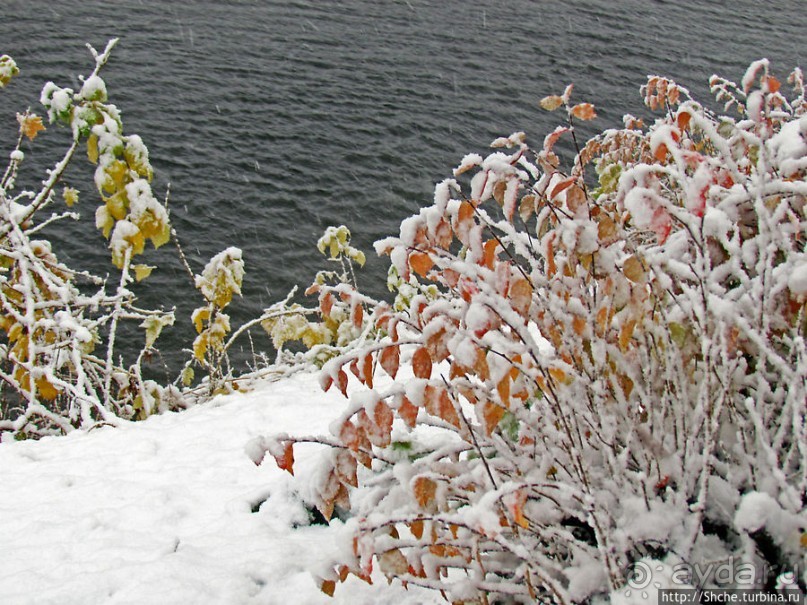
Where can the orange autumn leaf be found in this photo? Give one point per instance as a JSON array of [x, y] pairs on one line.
[[382, 417], [408, 412], [491, 416], [438, 403], [661, 152], [682, 120], [503, 388], [425, 490], [285, 460], [422, 363], [490, 253], [326, 303], [390, 359], [584, 111], [421, 263], [561, 187], [357, 315], [367, 370], [30, 125], [521, 296], [551, 267], [341, 382], [626, 333], [579, 325], [515, 504], [416, 527], [328, 587]]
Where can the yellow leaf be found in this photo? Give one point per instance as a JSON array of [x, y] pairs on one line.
[[46, 389], [154, 326], [187, 376], [92, 148], [142, 271], [30, 125], [551, 103], [200, 315], [104, 221], [70, 196], [200, 347]]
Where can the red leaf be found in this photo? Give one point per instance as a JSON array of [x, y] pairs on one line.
[[422, 363]]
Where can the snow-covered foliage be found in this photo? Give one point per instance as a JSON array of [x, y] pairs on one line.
[[609, 366], [53, 318]]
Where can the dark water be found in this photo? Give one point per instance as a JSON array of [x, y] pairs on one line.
[[273, 119]]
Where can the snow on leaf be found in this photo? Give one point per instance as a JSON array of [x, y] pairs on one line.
[[408, 412]]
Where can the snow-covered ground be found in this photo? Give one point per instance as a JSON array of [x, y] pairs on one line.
[[173, 511]]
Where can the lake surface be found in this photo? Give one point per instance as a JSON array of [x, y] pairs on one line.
[[272, 120]]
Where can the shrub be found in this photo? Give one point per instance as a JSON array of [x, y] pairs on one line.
[[54, 319], [594, 364]]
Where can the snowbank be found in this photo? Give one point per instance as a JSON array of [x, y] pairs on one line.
[[172, 511]]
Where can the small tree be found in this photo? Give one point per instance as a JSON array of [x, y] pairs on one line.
[[609, 366]]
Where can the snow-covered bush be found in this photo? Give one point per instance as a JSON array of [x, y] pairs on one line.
[[595, 364], [54, 319]]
